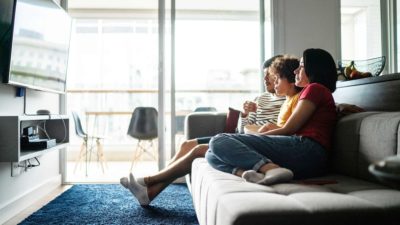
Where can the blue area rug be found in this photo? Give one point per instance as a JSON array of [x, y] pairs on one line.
[[113, 204]]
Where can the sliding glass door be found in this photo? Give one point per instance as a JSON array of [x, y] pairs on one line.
[[217, 56], [210, 57], [113, 70]]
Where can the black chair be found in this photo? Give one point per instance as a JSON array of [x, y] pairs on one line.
[[143, 126], [205, 109], [85, 149]]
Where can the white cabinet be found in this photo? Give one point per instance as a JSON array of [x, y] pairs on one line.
[[48, 126]]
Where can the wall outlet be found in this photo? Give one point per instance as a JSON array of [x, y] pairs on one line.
[[17, 168]]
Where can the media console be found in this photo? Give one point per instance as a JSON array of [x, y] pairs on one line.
[[51, 127]]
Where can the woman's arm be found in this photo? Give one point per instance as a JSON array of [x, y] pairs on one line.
[[267, 127], [302, 113]]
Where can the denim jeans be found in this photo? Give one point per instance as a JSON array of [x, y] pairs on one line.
[[229, 152]]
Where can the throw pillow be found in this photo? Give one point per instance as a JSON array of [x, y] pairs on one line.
[[231, 120]]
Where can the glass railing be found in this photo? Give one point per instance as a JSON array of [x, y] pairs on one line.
[[108, 112]]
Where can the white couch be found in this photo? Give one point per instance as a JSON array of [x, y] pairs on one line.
[[357, 197]]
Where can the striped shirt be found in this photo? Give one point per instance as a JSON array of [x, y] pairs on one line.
[[268, 107]]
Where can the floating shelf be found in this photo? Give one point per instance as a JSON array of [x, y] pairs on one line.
[[56, 127]]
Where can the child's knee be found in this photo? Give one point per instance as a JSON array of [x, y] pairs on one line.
[[189, 144], [199, 151]]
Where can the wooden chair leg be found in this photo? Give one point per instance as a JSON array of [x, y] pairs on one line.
[[100, 146], [149, 147], [152, 149], [136, 154], [100, 155], [155, 149], [81, 155]]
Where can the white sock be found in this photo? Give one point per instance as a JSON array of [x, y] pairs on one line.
[[124, 182], [252, 176], [277, 175], [139, 191], [140, 180]]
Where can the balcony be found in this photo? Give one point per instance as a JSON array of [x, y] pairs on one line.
[[107, 113]]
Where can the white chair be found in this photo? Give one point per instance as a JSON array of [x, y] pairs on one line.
[[85, 153]]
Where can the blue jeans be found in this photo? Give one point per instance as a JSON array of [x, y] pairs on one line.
[[230, 152]]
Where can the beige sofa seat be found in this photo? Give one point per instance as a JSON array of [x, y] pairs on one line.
[[356, 197]]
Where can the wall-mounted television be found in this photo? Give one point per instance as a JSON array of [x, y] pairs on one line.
[[34, 44]]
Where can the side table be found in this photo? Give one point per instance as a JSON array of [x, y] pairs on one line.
[[387, 171]]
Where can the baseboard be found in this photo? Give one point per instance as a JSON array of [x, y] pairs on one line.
[[23, 201]]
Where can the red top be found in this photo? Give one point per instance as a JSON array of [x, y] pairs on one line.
[[322, 122]]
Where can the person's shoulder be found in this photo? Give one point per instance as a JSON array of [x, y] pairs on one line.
[[315, 90], [296, 96], [316, 86], [266, 96]]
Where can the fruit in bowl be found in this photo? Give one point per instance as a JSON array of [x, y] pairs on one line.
[[355, 74], [349, 69], [352, 73]]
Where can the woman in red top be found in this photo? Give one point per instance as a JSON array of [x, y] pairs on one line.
[[300, 147]]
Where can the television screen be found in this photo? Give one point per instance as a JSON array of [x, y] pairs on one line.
[[39, 45]]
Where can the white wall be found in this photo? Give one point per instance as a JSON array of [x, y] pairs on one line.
[[302, 24], [19, 192]]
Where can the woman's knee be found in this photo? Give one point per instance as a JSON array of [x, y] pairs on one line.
[[218, 144], [210, 157]]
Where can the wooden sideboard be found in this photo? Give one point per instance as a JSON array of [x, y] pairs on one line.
[[380, 93]]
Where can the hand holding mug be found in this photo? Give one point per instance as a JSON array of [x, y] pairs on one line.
[[249, 106]]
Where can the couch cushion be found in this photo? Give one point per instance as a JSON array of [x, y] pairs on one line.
[[301, 208], [222, 198], [378, 140], [291, 188], [257, 208], [204, 124], [346, 143], [214, 184]]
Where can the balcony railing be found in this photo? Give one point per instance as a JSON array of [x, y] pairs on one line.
[[148, 91], [113, 121]]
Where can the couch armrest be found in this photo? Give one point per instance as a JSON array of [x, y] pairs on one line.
[[363, 138], [204, 124]]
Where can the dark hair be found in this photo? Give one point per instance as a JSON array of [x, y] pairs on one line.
[[268, 62], [285, 66], [320, 67]]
